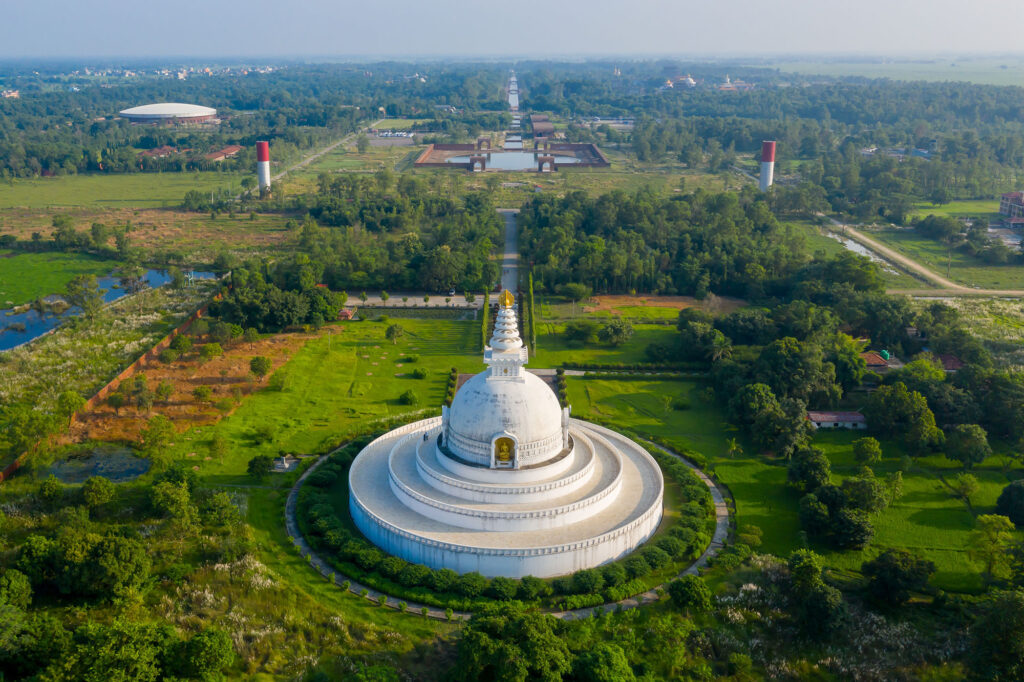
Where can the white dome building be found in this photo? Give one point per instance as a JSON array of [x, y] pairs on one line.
[[504, 482]]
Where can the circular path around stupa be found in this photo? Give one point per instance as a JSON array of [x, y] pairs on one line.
[[722, 524]]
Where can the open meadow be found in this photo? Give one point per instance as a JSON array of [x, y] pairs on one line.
[[112, 191], [960, 267], [24, 277]]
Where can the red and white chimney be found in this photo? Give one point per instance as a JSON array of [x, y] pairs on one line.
[[263, 166], [767, 164]]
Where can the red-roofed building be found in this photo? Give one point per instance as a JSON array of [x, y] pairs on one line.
[[837, 420], [159, 152], [225, 153], [950, 363], [1011, 204], [346, 313]]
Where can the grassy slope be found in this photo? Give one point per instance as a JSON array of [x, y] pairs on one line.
[[927, 520], [331, 395], [25, 277], [131, 189]]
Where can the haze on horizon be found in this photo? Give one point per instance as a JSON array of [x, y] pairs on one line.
[[484, 28]]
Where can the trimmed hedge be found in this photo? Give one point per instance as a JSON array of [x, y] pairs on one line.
[[637, 366]]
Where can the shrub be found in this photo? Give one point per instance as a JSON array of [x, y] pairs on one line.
[[636, 566], [419, 373], [531, 588], [169, 355], [471, 585], [409, 398], [1011, 502], [894, 573], [690, 592], [614, 574], [656, 557], [322, 478], [391, 566], [443, 580], [587, 581], [502, 589]]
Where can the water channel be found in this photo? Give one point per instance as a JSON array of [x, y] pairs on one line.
[[21, 324]]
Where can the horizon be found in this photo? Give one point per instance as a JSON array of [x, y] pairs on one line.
[[454, 29]]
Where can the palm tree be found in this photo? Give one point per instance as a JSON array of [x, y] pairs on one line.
[[733, 448]]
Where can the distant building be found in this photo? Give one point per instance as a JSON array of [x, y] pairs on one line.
[[1011, 204], [225, 153], [950, 363], [159, 152], [10, 94], [880, 361], [169, 112], [837, 420]]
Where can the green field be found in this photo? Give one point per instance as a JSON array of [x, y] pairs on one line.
[[332, 394], [144, 190], [969, 208], [927, 519], [553, 349], [962, 268], [399, 123], [25, 277], [1007, 70]]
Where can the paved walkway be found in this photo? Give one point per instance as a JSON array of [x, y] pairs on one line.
[[326, 570], [510, 256]]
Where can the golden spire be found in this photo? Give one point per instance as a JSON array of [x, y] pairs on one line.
[[506, 299]]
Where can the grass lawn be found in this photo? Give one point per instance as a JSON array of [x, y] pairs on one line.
[[553, 349], [25, 277], [1008, 70], [266, 516], [332, 394], [757, 485], [112, 191], [968, 208], [927, 519], [963, 268]]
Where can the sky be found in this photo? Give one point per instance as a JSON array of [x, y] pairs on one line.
[[512, 28]]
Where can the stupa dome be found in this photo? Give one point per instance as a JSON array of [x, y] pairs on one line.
[[488, 407]]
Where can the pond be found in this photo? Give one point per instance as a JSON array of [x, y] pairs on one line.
[[17, 328], [516, 160], [116, 463]]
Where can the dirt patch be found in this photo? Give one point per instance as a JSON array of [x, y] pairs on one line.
[[160, 228], [715, 304], [228, 377]]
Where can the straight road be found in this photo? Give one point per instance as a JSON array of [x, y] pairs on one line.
[[510, 255], [329, 148]]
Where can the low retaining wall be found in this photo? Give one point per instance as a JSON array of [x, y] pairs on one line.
[[112, 385]]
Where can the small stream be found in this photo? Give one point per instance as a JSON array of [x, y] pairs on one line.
[[22, 324], [862, 250]]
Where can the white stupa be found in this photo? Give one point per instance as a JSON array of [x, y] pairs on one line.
[[505, 482]]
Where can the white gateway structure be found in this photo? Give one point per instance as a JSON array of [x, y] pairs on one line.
[[505, 482]]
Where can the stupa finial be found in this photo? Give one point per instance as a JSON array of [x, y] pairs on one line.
[[506, 299]]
